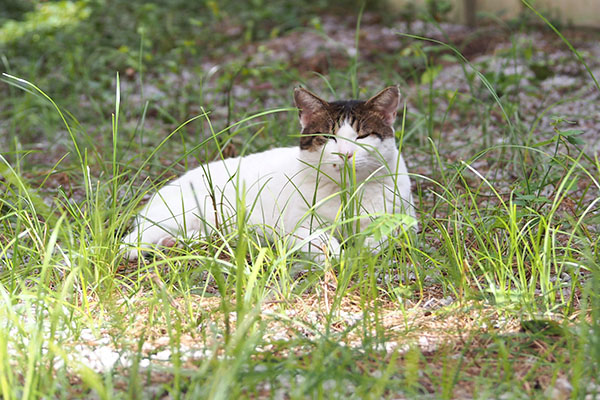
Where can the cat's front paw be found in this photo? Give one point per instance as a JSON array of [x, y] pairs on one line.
[[320, 248], [375, 246], [372, 244], [332, 247], [132, 250], [129, 248], [129, 252], [325, 249]]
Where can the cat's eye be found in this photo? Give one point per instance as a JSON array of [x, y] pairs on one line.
[[329, 136], [364, 136]]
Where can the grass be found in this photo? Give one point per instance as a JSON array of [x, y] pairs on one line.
[[495, 296]]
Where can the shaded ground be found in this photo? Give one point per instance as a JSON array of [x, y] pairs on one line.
[[534, 74]]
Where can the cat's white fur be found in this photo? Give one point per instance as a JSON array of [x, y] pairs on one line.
[[280, 189]]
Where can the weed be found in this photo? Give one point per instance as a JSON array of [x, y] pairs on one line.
[[496, 295]]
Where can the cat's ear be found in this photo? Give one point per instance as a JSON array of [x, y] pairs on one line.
[[310, 106], [386, 103]]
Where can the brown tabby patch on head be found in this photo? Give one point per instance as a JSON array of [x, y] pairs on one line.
[[321, 119]]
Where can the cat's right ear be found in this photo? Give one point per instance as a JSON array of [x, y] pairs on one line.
[[310, 106], [386, 103]]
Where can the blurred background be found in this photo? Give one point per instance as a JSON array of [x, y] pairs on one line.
[[176, 59]]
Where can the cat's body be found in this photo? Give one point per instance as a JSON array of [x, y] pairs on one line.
[[291, 191]]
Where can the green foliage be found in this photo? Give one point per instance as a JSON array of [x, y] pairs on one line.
[[514, 245], [46, 18], [15, 9], [439, 9]]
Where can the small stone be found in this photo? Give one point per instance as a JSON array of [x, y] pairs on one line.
[[164, 355]]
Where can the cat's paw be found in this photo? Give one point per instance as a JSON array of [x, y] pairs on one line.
[[132, 251], [375, 247], [372, 244], [129, 252], [331, 247], [327, 248]]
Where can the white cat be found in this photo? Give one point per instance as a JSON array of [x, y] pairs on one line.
[[291, 191]]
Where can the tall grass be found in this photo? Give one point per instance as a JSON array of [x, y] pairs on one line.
[[235, 316]]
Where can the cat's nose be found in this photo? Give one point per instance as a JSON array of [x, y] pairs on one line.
[[345, 156]]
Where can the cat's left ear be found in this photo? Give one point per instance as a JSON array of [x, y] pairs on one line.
[[386, 103], [311, 107]]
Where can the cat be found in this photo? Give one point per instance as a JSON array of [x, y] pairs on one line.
[[293, 191]]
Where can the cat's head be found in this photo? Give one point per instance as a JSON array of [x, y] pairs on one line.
[[358, 133]]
